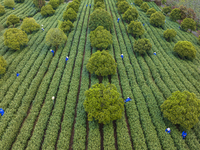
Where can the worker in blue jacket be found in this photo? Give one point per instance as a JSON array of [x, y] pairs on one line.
[[118, 20], [1, 111], [17, 74], [184, 134], [52, 51], [66, 59], [168, 130], [122, 56], [128, 99], [90, 5], [87, 5]]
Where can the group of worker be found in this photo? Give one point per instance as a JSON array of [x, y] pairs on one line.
[[184, 134], [122, 56], [89, 5]]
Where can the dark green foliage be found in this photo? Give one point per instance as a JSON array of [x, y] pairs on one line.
[[183, 12], [175, 14], [185, 49], [138, 2], [150, 12], [99, 5], [123, 6], [66, 26], [9, 3], [19, 1], [3, 65], [2, 10], [157, 19], [144, 7], [169, 34], [182, 108], [12, 20], [39, 3], [100, 17], [54, 3], [188, 23], [47, 10], [135, 28], [103, 103], [70, 14], [166, 9], [95, 1], [73, 5], [142, 46], [77, 2], [15, 38], [130, 15], [100, 38], [119, 1], [29, 25]]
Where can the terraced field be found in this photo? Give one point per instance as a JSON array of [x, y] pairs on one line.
[[33, 121]]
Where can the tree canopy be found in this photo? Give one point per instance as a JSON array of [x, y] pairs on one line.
[[29, 25], [54, 3], [99, 5], [102, 64], [182, 108], [3, 65], [123, 6], [9, 3], [150, 12], [39, 3], [100, 38], [166, 9], [188, 23], [175, 14], [2, 10], [142, 46], [12, 20], [47, 10], [19, 1], [103, 103], [15, 38], [70, 14], [138, 2], [73, 5], [169, 34], [66, 26], [157, 19], [144, 7], [130, 15], [135, 28], [96, 1]]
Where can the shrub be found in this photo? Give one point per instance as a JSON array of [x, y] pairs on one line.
[[166, 10], [100, 17], [169, 34], [77, 2], [55, 37], [54, 3], [70, 14], [15, 38], [19, 1], [47, 10], [73, 5], [142, 46], [183, 12], [188, 23], [9, 3], [119, 1], [150, 11], [157, 19], [144, 7], [2, 10], [185, 49], [130, 15], [103, 103], [39, 3], [95, 1], [135, 28], [66, 26], [99, 5], [191, 13], [182, 108], [138, 2], [175, 14], [100, 38], [123, 6], [199, 40], [12, 20], [3, 65], [29, 25]]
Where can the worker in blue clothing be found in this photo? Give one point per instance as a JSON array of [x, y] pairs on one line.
[[52, 51], [1, 111], [143, 24], [43, 29], [122, 56], [184, 134], [127, 100], [17, 74], [118, 20], [90, 5], [168, 130], [87, 5], [154, 53], [66, 59]]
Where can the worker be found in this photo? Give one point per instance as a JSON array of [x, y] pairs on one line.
[[128, 99], [43, 29], [17, 74], [118, 20], [87, 5], [52, 51], [122, 56], [90, 5], [66, 59], [179, 27], [168, 130], [13, 8], [154, 53], [1, 111], [143, 24], [184, 134], [131, 3], [42, 25]]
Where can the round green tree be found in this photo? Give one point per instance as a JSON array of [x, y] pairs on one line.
[[138, 2], [12, 20], [123, 6], [188, 23], [185, 49], [142, 46], [19, 1], [96, 1], [135, 28], [77, 2], [150, 12], [100, 17], [55, 37], [70, 14], [99, 5], [157, 19], [144, 7], [66, 26], [166, 10], [54, 3], [73, 5], [182, 108], [9, 3], [102, 64], [2, 10], [119, 1], [183, 11], [29, 25], [175, 14], [47, 10], [103, 103], [39, 3], [169, 34], [3, 65], [100, 38], [15, 38], [130, 15]]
